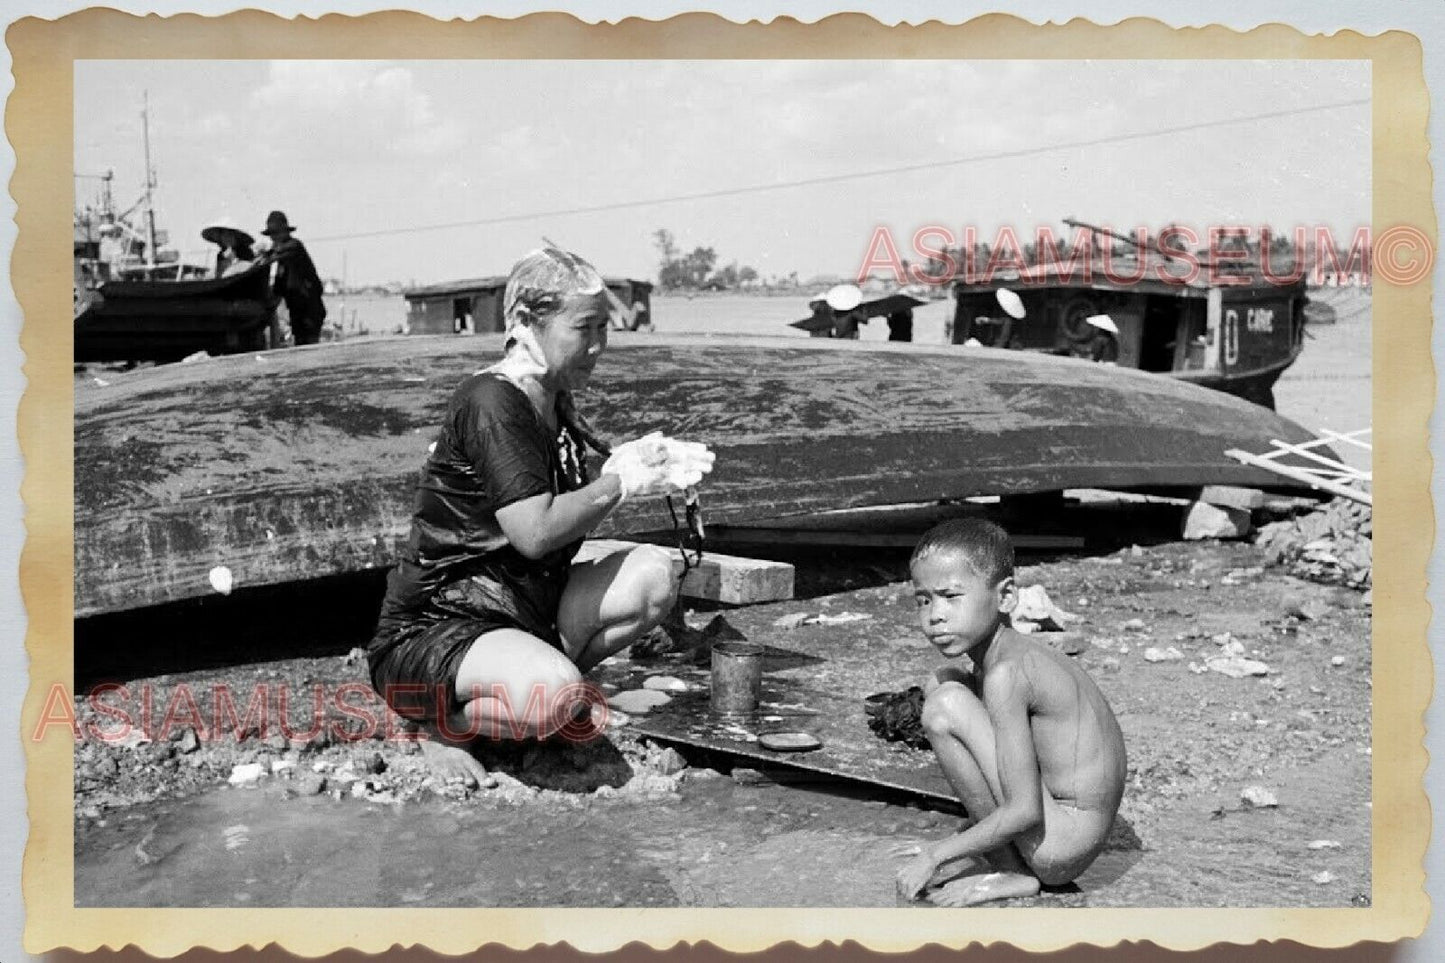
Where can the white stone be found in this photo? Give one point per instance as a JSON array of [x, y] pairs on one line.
[[1235, 667], [842, 618], [638, 701], [1323, 844], [1258, 797], [1337, 661], [1211, 521], [665, 683], [221, 579], [1323, 877], [1155, 654], [1034, 605], [246, 773]]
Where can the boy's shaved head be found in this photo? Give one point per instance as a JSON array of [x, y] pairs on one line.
[[984, 546]]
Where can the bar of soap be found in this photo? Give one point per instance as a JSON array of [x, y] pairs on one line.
[[789, 741], [638, 701], [665, 683]]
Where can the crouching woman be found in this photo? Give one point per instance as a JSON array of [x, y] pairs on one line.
[[488, 625]]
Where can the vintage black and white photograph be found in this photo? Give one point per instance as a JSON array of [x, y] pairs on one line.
[[723, 483]]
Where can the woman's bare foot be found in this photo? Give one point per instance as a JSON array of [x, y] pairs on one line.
[[985, 887], [448, 761]]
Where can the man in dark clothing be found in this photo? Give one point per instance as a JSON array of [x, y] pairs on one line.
[[900, 325], [297, 282]]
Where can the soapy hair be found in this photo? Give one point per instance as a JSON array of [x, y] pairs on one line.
[[542, 281], [537, 289]]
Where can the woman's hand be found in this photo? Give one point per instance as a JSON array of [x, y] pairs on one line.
[[655, 465]]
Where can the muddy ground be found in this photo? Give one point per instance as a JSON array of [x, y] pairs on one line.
[[332, 820]]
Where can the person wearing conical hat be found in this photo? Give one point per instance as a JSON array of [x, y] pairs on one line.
[[296, 281], [234, 252], [1104, 345], [845, 299]]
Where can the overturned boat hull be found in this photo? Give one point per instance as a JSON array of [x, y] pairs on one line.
[[294, 465]]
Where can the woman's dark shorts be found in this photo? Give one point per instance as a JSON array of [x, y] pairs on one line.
[[414, 657]]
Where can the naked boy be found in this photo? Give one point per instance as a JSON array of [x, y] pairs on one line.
[[1026, 740]]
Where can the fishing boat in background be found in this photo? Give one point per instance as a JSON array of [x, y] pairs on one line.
[[164, 321], [136, 299], [1229, 328]]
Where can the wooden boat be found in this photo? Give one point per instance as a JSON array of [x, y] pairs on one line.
[[1233, 332], [820, 324], [287, 466], [139, 320]]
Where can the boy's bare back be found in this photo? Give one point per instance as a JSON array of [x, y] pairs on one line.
[[1076, 738]]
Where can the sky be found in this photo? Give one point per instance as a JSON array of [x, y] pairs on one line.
[[357, 152]]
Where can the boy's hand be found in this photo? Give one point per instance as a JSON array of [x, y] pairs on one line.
[[916, 874]]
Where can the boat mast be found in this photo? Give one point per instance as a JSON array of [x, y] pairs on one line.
[[1120, 237], [150, 184]]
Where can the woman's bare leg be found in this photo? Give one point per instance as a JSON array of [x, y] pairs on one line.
[[511, 685], [614, 601]]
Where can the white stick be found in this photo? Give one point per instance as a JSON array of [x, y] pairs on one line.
[[1334, 466], [1349, 437], [1302, 475]]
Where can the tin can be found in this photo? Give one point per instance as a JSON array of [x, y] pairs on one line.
[[737, 677]]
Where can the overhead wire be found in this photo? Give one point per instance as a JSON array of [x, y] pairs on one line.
[[846, 176]]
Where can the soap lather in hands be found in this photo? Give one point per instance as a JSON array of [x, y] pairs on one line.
[[658, 465]]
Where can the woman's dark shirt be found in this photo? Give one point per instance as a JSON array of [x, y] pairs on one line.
[[493, 450]]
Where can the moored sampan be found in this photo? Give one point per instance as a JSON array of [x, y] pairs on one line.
[[296, 465]]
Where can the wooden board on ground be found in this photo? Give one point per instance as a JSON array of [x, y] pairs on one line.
[[294, 465], [719, 578]]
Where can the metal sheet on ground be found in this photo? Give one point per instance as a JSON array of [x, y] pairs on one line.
[[788, 703]]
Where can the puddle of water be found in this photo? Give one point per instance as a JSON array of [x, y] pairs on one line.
[[724, 845], [719, 844]]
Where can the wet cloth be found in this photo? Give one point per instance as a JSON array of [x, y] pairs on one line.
[[459, 577]]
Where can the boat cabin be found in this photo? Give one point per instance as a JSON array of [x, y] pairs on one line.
[[1237, 336], [474, 305]]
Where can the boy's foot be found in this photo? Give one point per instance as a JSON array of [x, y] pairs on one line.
[[448, 761], [985, 887], [951, 870], [958, 868]]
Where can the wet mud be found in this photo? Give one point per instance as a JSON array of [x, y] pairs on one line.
[[335, 821]]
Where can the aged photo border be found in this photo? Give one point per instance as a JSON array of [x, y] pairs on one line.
[[38, 124]]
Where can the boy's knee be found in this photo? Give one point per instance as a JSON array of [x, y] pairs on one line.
[[948, 706]]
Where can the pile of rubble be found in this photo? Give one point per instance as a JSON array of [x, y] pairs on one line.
[[1330, 545]]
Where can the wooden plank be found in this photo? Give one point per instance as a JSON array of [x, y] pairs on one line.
[[1228, 496], [720, 578], [758, 535], [301, 464]]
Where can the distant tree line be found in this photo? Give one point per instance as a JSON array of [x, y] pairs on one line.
[[695, 271], [1282, 249]]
